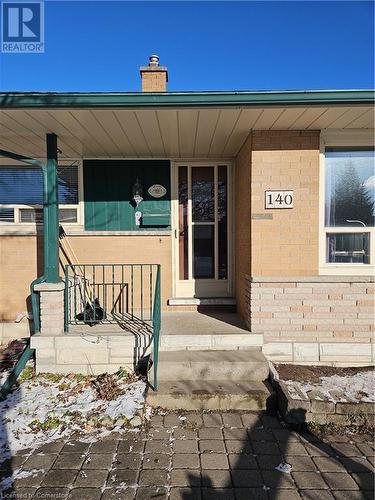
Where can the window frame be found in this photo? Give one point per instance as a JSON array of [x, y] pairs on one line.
[[6, 227], [342, 139]]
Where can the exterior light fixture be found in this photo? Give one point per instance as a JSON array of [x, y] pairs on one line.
[[137, 198], [137, 192]]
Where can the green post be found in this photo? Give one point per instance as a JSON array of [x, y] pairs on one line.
[[51, 213]]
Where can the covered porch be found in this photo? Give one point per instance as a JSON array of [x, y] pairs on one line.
[[139, 159]]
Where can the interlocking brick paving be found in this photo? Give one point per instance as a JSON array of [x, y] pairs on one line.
[[198, 456]]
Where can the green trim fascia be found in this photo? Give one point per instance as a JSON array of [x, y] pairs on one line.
[[185, 99]]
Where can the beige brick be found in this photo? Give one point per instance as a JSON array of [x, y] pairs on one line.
[[275, 321], [302, 309], [320, 309], [272, 291], [367, 303], [275, 308], [278, 285], [256, 314], [343, 334], [288, 314], [300, 292]]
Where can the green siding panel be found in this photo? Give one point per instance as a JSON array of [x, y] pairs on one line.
[[108, 194]]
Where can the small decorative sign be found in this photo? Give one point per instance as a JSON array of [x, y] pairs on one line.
[[262, 216], [279, 199], [157, 191]]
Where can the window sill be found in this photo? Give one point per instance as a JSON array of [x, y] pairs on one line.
[[30, 229], [76, 230], [82, 232], [347, 270]]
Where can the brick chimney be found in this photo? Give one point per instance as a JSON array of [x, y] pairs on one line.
[[154, 77]]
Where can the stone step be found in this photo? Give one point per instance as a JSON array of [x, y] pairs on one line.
[[248, 365], [226, 341], [212, 395]]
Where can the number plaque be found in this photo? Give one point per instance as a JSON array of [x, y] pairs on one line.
[[278, 199]]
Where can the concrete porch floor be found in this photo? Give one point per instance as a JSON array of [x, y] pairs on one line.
[[173, 323], [202, 323]]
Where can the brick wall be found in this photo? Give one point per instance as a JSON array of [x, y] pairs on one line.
[[319, 319], [21, 262], [287, 244]]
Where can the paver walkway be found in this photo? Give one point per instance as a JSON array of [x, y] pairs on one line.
[[199, 456]]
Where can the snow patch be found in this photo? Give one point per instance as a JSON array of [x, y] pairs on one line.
[[44, 409], [354, 388]]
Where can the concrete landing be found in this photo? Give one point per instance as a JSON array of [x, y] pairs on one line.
[[206, 331], [199, 323], [250, 365], [212, 395]]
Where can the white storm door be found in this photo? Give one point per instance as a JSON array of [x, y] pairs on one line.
[[202, 231]]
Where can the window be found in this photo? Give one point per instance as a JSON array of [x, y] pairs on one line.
[[21, 194], [349, 206]]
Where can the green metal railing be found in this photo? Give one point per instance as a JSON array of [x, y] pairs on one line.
[[156, 324], [109, 293], [124, 294]]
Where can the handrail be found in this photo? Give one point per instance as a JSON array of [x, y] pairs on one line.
[[156, 325], [35, 303], [27, 353]]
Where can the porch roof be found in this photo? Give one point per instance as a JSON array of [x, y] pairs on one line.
[[170, 125]]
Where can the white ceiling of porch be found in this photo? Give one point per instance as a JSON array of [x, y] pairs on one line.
[[163, 133]]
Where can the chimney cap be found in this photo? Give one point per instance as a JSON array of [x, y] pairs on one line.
[[154, 60], [153, 66]]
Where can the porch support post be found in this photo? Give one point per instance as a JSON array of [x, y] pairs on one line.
[[52, 290], [51, 213]]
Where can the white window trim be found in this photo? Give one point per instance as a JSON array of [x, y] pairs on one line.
[[18, 227], [342, 138]]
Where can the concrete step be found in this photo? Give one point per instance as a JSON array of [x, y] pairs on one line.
[[212, 395], [221, 342], [249, 365]]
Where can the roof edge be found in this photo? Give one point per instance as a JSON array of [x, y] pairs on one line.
[[184, 99]]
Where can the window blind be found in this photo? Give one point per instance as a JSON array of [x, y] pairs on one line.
[[24, 185]]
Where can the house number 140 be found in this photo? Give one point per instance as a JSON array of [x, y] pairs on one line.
[[279, 199]]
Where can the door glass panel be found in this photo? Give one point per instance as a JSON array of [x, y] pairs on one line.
[[222, 223], [183, 246], [202, 189], [203, 251]]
